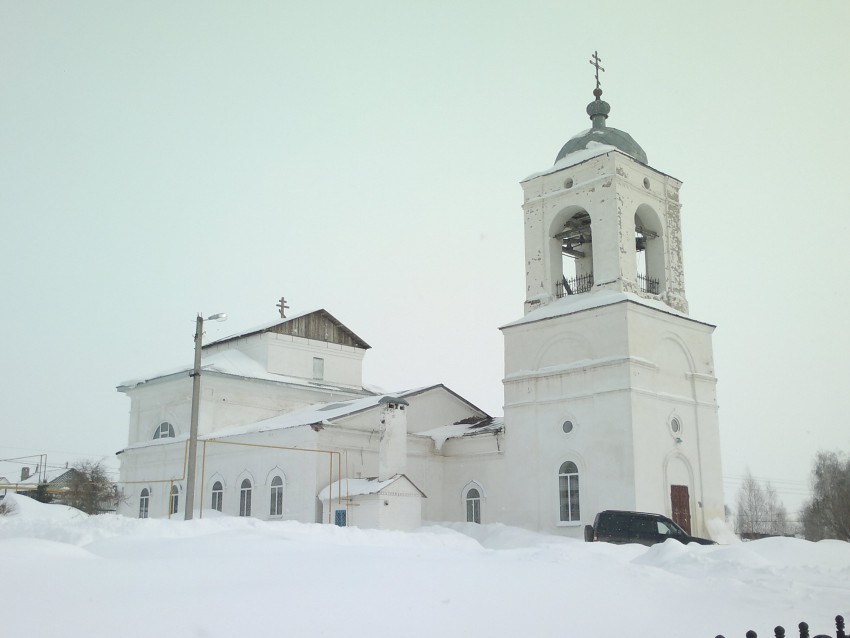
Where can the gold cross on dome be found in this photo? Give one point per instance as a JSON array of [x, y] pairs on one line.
[[595, 60]]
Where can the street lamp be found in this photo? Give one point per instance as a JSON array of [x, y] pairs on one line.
[[196, 396]]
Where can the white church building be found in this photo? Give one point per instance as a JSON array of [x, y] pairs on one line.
[[609, 389]]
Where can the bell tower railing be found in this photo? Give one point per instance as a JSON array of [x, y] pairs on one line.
[[574, 285], [648, 284]]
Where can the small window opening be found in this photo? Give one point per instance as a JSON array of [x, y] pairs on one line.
[[245, 498], [175, 500], [164, 431], [568, 493], [318, 368], [276, 505], [144, 503], [473, 506], [217, 495]]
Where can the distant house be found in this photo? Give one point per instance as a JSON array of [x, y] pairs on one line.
[[57, 482], [28, 482]]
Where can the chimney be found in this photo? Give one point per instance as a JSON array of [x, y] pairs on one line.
[[25, 473], [392, 451]]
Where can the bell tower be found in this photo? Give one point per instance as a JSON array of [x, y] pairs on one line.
[[601, 218], [609, 383]]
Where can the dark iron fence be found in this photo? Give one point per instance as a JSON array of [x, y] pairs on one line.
[[574, 285], [584, 283], [779, 632], [648, 284]]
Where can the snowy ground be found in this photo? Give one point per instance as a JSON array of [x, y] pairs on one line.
[[66, 574]]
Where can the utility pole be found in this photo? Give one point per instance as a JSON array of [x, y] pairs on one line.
[[196, 399]]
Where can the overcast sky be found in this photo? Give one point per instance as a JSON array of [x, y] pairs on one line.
[[159, 159]]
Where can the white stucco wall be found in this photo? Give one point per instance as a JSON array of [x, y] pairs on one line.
[[290, 355], [618, 373], [225, 401]]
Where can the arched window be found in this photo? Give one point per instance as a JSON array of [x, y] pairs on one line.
[[568, 492], [573, 239], [164, 431], [276, 506], [175, 498], [473, 506], [649, 251], [217, 495], [245, 498], [144, 503]]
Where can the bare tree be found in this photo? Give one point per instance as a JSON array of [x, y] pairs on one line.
[[90, 490], [759, 510], [6, 507], [827, 514], [750, 506]]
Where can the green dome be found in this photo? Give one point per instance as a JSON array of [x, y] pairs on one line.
[[598, 111]]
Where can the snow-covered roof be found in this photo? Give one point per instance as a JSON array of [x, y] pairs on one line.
[[235, 363], [266, 327], [321, 413], [593, 149], [597, 298], [326, 413], [349, 487], [50, 475], [465, 428]]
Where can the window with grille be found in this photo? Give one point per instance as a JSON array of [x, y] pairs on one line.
[[144, 503], [245, 498], [473, 506], [164, 431], [276, 506], [568, 493], [217, 495], [175, 498]]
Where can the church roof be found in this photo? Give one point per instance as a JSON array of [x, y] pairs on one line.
[[350, 487], [601, 134], [321, 414], [319, 325], [325, 413]]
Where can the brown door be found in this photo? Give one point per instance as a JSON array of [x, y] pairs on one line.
[[681, 503]]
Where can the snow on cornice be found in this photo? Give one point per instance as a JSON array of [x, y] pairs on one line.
[[465, 428], [585, 301]]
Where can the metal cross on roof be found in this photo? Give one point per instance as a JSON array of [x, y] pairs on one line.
[[283, 307], [595, 60]]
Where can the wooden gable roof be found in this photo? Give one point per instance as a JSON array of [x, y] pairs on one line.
[[319, 325]]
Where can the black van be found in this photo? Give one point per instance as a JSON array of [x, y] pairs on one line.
[[614, 526]]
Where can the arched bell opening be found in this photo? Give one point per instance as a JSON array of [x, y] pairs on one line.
[[649, 251], [572, 240]]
